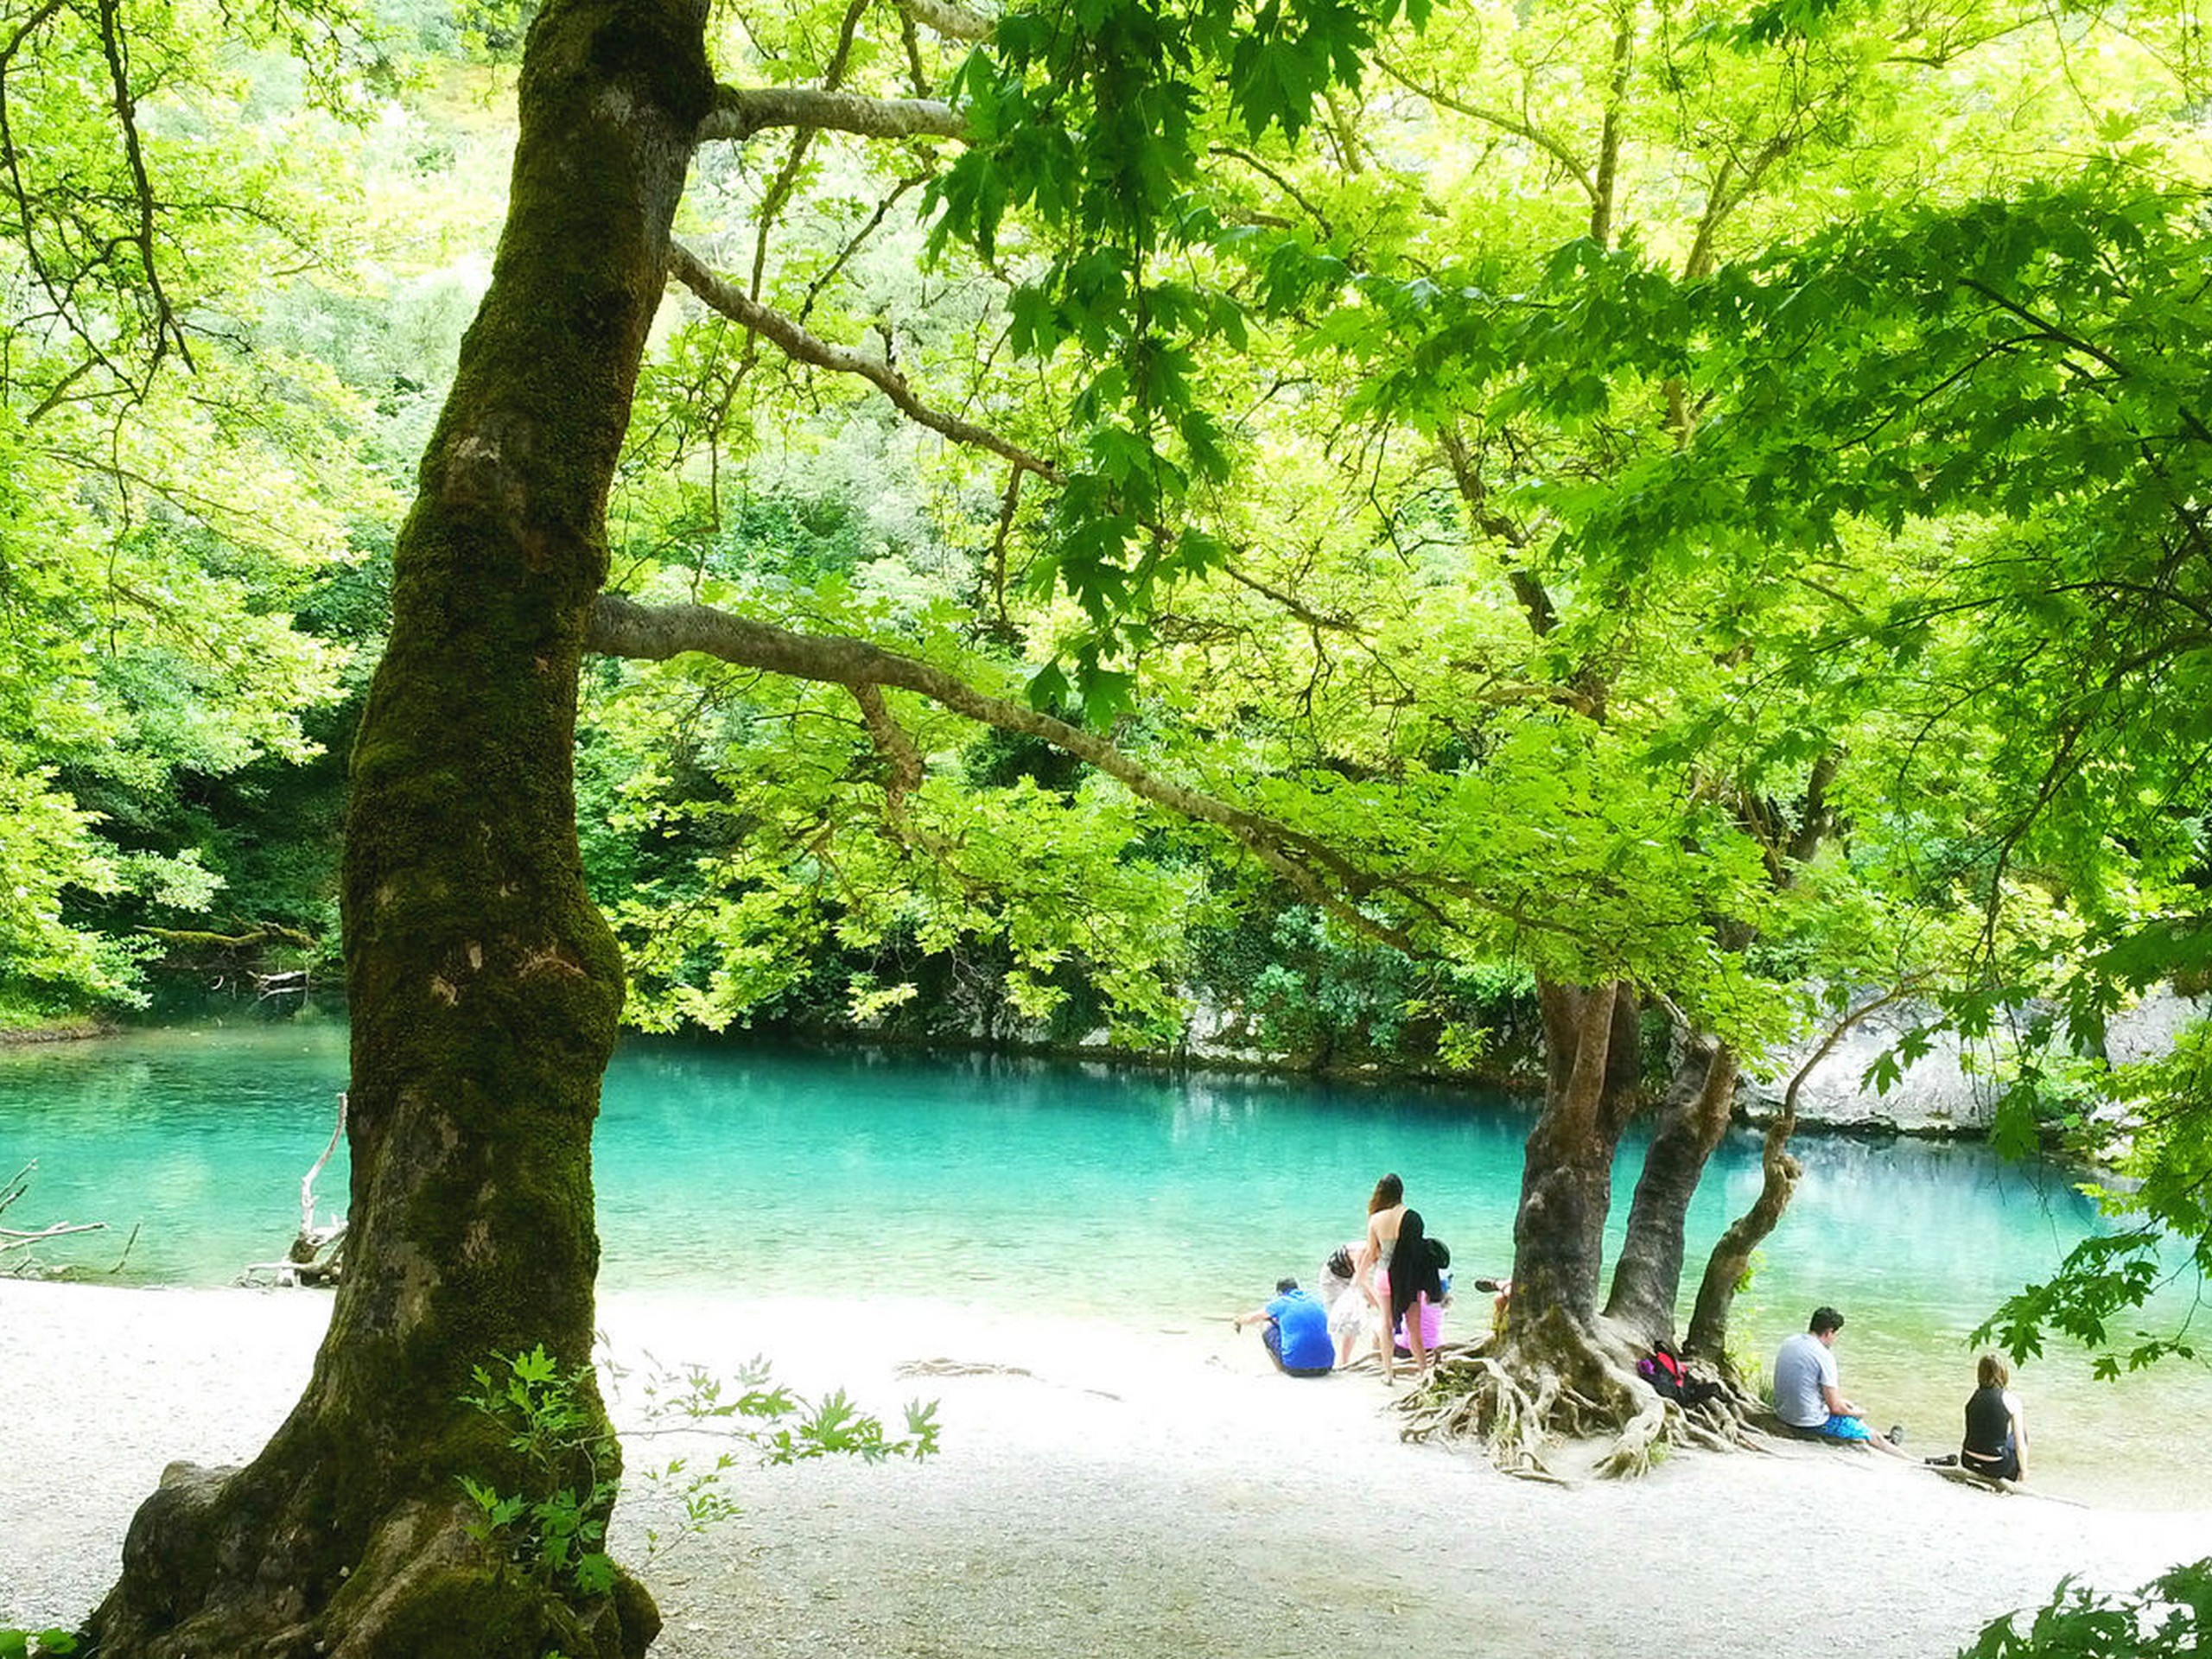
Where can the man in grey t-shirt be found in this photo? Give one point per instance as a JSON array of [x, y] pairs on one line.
[[1806, 1395]]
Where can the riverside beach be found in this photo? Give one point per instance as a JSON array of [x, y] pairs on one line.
[[1102, 1490]]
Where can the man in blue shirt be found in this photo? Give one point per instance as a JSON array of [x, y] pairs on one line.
[[1297, 1332]]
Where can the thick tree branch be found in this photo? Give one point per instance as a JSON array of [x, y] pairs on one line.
[[29, 27], [1815, 822], [949, 19], [259, 936], [902, 761], [1604, 199], [1318, 872], [801, 346], [740, 112], [621, 628], [1535, 601]]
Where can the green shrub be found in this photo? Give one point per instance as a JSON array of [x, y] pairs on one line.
[[2171, 1617]]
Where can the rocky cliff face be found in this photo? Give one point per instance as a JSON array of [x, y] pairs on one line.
[[1951, 1091]]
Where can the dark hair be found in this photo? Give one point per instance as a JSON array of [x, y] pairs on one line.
[[1388, 1191], [1413, 1267], [1340, 1262], [1824, 1321], [1284, 1287]]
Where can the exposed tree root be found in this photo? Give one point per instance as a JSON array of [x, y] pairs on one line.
[[1656, 1422], [1528, 1398], [197, 1585], [321, 1549]]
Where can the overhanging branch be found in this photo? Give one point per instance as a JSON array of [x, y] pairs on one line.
[[621, 628], [740, 112], [801, 346], [946, 17]]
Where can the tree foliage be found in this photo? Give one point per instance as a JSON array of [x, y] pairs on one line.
[[2168, 1616], [1687, 508], [174, 473]]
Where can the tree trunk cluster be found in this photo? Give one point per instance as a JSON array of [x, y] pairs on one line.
[[1564, 1364]]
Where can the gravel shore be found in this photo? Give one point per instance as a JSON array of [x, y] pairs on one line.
[[1102, 1492]]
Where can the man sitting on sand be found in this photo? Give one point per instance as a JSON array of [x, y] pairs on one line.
[[1805, 1392], [1296, 1332]]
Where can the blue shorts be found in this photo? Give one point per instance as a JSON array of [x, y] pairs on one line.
[[1844, 1428]]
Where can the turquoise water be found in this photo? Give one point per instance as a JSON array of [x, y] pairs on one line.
[[1162, 1200]]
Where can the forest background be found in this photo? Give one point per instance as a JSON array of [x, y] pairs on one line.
[[1694, 494], [1430, 531], [1676, 524]]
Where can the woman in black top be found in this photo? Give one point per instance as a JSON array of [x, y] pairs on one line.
[[1996, 1445], [1413, 1279]]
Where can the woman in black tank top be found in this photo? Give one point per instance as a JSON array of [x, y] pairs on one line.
[[1996, 1444]]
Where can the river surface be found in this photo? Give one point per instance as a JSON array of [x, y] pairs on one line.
[[1158, 1200]]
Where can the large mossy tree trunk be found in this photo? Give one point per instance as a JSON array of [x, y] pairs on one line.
[[1557, 1369], [485, 987], [1592, 1073], [1648, 1278], [1562, 1368]]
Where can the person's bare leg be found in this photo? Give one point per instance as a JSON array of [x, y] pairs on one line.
[[1883, 1443]]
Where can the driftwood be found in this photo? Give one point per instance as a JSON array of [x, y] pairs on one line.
[[316, 1256], [294, 983], [13, 1239], [233, 957]]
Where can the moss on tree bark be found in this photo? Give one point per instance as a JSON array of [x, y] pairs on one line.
[[1561, 1367], [485, 987]]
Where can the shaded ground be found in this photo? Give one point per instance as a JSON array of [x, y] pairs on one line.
[[1104, 1492]]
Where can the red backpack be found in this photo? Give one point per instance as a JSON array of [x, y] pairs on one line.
[[1662, 1371]]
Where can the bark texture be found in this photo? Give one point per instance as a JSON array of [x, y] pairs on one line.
[[1562, 1369], [1731, 1260], [485, 987], [1558, 1369], [1725, 1269], [1648, 1279], [1567, 1178]]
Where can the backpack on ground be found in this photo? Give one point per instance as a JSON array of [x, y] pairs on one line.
[[1664, 1371]]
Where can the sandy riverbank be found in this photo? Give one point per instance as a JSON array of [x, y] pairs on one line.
[[1111, 1492]]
